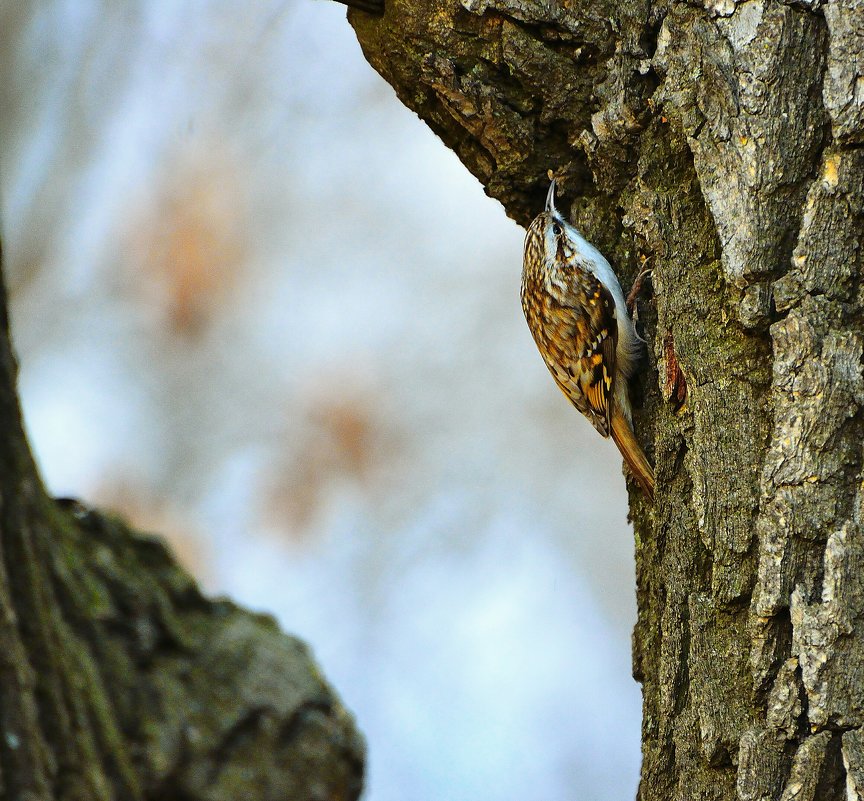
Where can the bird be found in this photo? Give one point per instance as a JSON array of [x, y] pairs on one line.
[[575, 309]]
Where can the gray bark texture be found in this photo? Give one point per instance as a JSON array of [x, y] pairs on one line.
[[120, 681], [721, 145]]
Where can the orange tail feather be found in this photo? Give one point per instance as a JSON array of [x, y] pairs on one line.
[[632, 452]]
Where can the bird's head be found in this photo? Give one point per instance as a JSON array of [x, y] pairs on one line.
[[550, 237]]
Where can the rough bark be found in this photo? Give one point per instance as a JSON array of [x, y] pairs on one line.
[[119, 680], [723, 142]]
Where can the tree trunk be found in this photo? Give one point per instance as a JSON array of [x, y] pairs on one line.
[[721, 146], [119, 680]]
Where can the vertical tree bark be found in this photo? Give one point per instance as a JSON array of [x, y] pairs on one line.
[[722, 143], [119, 680]]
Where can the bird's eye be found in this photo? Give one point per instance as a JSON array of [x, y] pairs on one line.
[[556, 229]]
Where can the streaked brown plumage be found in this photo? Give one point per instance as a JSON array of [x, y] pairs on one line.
[[575, 309]]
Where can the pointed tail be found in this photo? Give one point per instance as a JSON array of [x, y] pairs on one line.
[[632, 452]]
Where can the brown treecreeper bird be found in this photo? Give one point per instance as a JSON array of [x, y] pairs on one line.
[[577, 314]]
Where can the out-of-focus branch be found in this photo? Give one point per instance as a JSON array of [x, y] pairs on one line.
[[119, 679]]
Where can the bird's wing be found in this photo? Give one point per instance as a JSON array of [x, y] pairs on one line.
[[588, 357]]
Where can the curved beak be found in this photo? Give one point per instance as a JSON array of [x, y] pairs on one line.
[[550, 198]]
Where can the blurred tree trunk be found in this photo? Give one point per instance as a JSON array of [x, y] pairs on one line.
[[722, 143], [119, 680]]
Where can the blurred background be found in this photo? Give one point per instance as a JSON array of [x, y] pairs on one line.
[[261, 310]]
